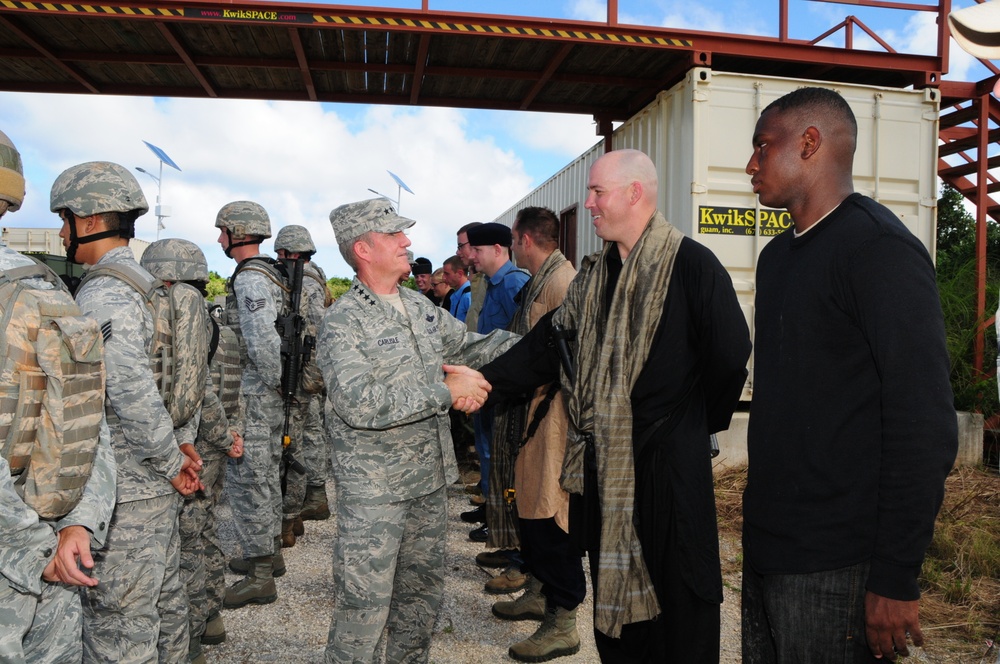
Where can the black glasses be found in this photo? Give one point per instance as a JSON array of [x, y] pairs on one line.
[[462, 244]]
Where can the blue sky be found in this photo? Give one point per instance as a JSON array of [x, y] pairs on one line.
[[300, 160]]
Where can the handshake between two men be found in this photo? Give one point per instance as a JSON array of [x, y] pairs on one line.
[[469, 389]]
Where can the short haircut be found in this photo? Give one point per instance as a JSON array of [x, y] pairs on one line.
[[455, 263], [822, 102], [465, 229], [541, 224], [347, 248]]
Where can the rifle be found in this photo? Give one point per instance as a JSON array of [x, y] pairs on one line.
[[290, 328]]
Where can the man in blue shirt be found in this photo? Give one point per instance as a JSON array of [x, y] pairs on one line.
[[490, 245], [455, 276]]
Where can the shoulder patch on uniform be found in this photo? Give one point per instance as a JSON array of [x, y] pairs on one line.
[[106, 331], [253, 305]]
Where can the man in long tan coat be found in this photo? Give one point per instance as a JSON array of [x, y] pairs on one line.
[[557, 584]]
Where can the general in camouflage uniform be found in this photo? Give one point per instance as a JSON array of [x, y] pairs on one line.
[[381, 350], [305, 495], [42, 560], [254, 487], [176, 261], [139, 610]]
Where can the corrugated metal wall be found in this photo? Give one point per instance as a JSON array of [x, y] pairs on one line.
[[699, 134]]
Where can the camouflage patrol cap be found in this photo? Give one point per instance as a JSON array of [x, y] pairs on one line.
[[294, 239], [175, 259], [375, 214], [11, 174], [244, 218], [97, 187]]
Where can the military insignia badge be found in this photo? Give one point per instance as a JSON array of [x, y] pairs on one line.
[[253, 305], [106, 331], [430, 318]]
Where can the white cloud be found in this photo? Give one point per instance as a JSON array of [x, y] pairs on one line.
[[298, 160]]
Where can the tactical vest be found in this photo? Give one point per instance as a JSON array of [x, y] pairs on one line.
[[51, 390], [310, 378], [224, 365], [180, 345], [273, 270]]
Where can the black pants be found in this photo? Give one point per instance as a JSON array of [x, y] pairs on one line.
[[687, 629], [555, 560]]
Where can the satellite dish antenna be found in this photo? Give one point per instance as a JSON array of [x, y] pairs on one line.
[[400, 186]]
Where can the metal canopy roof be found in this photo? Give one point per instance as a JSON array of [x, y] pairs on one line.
[[257, 50]]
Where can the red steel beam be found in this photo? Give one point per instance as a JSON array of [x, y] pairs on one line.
[[175, 43]]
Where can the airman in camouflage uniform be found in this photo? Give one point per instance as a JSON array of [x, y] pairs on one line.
[[307, 498], [224, 368], [381, 351], [139, 610], [181, 262], [42, 561], [254, 487]]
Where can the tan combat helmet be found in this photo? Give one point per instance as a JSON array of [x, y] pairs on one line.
[[295, 240], [174, 259], [11, 176], [245, 222], [97, 187]]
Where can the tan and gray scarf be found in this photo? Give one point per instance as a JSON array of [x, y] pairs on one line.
[[509, 423], [610, 355]]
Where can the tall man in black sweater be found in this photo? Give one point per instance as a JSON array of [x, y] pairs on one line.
[[852, 427]]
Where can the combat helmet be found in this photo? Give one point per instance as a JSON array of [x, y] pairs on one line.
[[295, 240], [242, 220], [174, 259], [97, 187], [11, 176]]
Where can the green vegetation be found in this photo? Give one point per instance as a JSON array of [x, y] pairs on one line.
[[338, 286], [956, 276], [216, 286]]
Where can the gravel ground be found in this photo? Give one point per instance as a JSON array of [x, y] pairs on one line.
[[294, 628]]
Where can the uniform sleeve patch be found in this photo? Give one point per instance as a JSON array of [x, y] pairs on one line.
[[106, 331], [253, 305]]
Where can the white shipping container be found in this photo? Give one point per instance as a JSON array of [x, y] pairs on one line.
[[699, 134], [47, 241]]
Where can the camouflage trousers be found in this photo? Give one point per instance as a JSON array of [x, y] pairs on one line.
[[138, 612], [202, 560], [388, 571], [40, 629], [317, 451], [293, 483], [253, 485]]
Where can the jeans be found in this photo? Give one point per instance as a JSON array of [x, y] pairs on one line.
[[815, 618], [483, 424]]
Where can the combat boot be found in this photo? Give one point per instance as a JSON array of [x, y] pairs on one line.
[[298, 527], [287, 534], [529, 606], [215, 631], [242, 566], [556, 637], [279, 560], [257, 588], [315, 507]]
